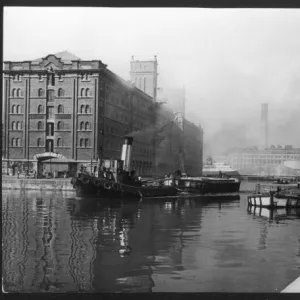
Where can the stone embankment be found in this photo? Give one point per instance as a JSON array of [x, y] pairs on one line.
[[58, 184]]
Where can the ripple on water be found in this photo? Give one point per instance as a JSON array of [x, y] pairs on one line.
[[190, 245]]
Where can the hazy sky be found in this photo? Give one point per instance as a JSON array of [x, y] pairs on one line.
[[229, 60]]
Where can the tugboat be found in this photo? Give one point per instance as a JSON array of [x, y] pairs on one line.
[[120, 182]]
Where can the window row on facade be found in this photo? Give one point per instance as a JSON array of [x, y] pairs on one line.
[[16, 93], [16, 142], [16, 109], [139, 163], [85, 92], [59, 142], [115, 130], [85, 109], [60, 109], [51, 93], [84, 143], [16, 125]]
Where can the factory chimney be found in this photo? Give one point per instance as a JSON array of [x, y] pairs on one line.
[[264, 125]]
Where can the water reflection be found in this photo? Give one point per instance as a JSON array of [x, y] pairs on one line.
[[277, 215], [56, 243]]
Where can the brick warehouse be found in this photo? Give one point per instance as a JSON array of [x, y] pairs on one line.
[[60, 111]]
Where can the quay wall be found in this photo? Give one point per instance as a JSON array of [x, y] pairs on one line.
[[37, 184]]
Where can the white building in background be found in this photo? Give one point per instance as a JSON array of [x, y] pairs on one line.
[[265, 161]]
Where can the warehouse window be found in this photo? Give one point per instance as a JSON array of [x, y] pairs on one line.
[[87, 109], [18, 142], [60, 125], [13, 142], [40, 109], [59, 142], [40, 125], [13, 125], [87, 92], [19, 127], [18, 109], [81, 142], [13, 109], [41, 93], [60, 92], [87, 126], [82, 109], [60, 109], [81, 125], [13, 92], [82, 92], [39, 142], [51, 96], [87, 143]]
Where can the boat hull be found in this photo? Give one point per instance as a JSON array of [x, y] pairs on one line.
[[101, 188], [261, 200], [206, 185]]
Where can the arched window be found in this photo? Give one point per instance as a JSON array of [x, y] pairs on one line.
[[60, 109], [60, 92], [87, 92], [13, 109], [60, 125], [87, 126], [19, 127], [18, 109], [14, 94], [59, 142], [40, 125], [81, 142], [13, 142], [39, 142], [18, 143], [13, 125], [40, 109], [82, 92], [145, 84], [82, 109], [81, 125], [41, 93], [19, 93], [87, 109], [87, 143]]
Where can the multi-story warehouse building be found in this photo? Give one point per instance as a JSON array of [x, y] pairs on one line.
[[61, 113]]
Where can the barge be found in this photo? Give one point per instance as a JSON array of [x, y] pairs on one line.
[[288, 197], [204, 185]]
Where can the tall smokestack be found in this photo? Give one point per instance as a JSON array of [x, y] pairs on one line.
[[264, 125], [126, 153]]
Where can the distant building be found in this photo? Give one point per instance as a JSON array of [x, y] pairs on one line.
[[143, 74], [253, 158]]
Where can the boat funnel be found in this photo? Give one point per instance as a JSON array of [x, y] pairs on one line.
[[126, 153]]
